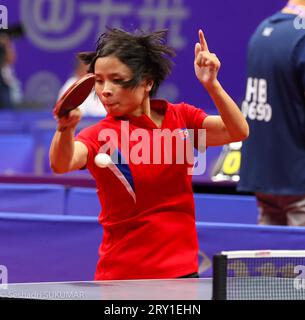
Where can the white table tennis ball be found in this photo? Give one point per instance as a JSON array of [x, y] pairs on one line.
[[102, 160]]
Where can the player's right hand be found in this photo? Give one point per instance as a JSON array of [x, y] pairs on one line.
[[206, 63], [70, 121]]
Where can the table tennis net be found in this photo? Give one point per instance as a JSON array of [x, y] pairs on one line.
[[259, 275]]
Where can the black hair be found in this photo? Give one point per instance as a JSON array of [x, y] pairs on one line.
[[146, 54]]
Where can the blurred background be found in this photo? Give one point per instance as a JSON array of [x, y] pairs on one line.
[[45, 35], [54, 31]]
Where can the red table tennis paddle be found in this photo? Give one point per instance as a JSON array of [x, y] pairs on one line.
[[74, 96]]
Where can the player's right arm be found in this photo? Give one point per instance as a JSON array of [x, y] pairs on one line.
[[66, 154]]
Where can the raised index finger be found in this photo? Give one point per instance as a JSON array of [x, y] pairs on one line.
[[203, 43]]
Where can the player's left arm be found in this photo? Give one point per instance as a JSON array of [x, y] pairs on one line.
[[230, 125]]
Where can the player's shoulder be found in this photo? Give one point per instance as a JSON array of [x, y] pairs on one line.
[[282, 24]]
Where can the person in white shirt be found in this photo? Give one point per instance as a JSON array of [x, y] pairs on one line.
[[92, 106]]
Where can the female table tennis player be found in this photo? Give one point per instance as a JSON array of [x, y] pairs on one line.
[[147, 209]]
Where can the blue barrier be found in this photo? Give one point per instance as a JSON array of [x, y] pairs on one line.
[[17, 154], [226, 208], [13, 121], [11, 127], [82, 201], [43, 138], [32, 198], [43, 131], [209, 208], [42, 248], [38, 198], [8, 115]]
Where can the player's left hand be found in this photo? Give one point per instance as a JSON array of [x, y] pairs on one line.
[[206, 64]]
